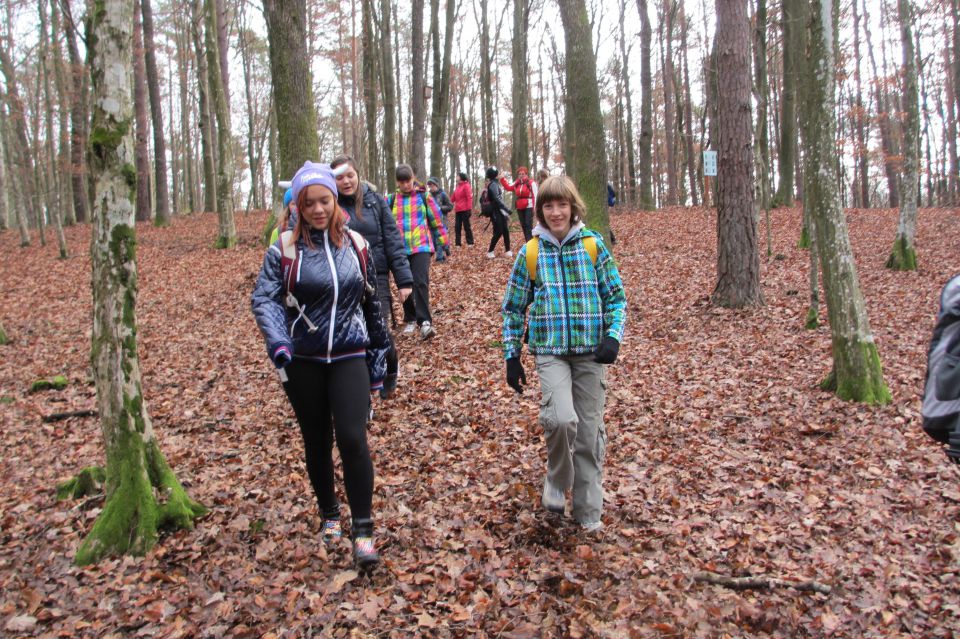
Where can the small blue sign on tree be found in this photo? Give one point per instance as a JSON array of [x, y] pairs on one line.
[[710, 163]]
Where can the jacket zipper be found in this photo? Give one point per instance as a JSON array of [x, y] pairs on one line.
[[336, 294], [566, 301]]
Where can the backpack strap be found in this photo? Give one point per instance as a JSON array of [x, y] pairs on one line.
[[289, 261], [361, 246], [533, 249]]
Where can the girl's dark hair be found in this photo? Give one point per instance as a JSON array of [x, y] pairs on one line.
[[404, 172], [463, 176], [358, 195]]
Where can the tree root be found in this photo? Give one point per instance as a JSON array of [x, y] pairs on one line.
[[88, 481], [760, 583]]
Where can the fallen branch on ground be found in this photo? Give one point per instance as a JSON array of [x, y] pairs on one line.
[[760, 583], [56, 417]]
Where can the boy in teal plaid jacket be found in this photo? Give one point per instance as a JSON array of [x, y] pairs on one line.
[[577, 314]]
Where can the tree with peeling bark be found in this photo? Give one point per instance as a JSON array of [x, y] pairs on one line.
[[586, 157], [903, 256], [738, 259], [142, 491], [857, 373]]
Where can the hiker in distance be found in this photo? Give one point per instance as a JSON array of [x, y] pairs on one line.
[[316, 304], [567, 279], [417, 215], [367, 214]]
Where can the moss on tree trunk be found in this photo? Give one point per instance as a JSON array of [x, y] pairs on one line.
[[88, 481], [142, 493], [903, 257]]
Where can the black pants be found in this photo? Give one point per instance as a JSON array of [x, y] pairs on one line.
[[526, 223], [501, 228], [463, 222], [328, 398], [417, 306], [386, 310]]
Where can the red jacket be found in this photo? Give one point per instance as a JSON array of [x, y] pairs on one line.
[[523, 189], [463, 197]]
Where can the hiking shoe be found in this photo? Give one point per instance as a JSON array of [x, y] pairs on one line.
[[365, 554], [427, 331], [591, 526], [409, 327], [491, 255], [553, 498], [331, 530], [508, 254]]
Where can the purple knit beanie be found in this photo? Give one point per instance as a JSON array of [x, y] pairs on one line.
[[316, 173]]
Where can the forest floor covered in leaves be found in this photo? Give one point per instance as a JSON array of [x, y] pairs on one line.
[[723, 456]]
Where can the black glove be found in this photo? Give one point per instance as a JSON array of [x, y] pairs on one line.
[[607, 352], [515, 374]]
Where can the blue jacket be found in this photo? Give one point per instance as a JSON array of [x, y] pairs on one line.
[[331, 292], [376, 224]]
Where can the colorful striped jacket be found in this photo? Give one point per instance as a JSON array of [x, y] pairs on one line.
[[416, 214], [574, 302]]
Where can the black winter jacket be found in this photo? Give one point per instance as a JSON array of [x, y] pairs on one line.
[[496, 203], [387, 250], [331, 291]]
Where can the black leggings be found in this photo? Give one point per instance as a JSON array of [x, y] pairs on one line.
[[328, 398], [501, 228], [526, 223]]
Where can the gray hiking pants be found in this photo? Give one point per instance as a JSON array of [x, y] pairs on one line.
[[573, 390]]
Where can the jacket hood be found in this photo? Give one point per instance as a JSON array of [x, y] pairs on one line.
[[543, 232]]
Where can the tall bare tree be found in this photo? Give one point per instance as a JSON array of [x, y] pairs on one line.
[[418, 108], [18, 143], [227, 230], [903, 256], [645, 157], [520, 153], [79, 111], [790, 26], [142, 129], [142, 491], [371, 65], [160, 188], [441, 87], [204, 117], [586, 157], [738, 260], [857, 373], [389, 97]]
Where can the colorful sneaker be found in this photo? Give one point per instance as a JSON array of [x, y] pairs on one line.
[[365, 554], [409, 327], [553, 498], [331, 530]]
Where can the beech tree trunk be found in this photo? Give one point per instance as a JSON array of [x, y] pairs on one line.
[[738, 259], [389, 99], [763, 99], [137, 474], [786, 160], [645, 156], [586, 158], [669, 100], [156, 115], [67, 209], [370, 62], [19, 146], [204, 119], [441, 91], [78, 120], [857, 373], [486, 89], [903, 256], [520, 152], [55, 205], [142, 159], [227, 232], [417, 103], [631, 173]]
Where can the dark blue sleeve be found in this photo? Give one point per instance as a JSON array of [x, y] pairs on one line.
[[267, 303]]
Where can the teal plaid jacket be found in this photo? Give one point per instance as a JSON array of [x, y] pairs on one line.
[[573, 304]]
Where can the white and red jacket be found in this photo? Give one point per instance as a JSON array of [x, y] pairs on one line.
[[522, 189]]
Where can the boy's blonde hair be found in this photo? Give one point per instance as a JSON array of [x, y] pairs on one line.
[[560, 187]]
